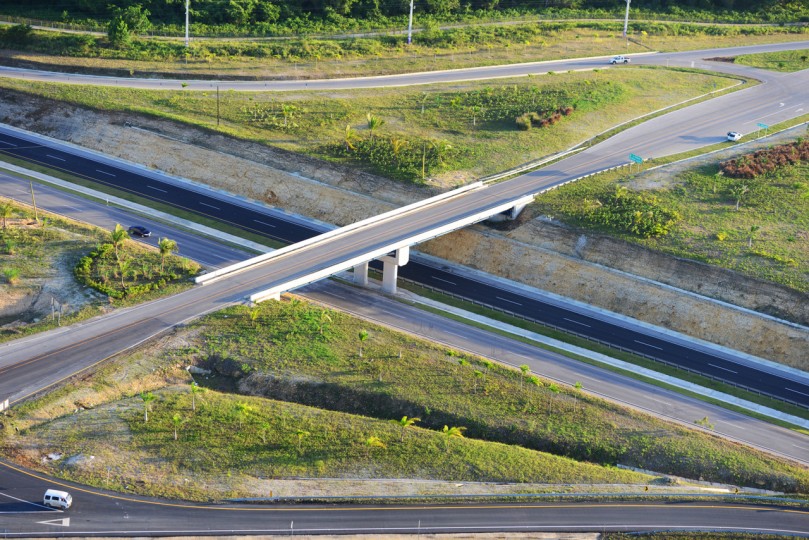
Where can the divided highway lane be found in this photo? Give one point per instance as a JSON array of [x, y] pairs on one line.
[[97, 513], [592, 324]]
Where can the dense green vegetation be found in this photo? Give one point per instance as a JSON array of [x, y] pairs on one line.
[[121, 273], [758, 226], [282, 17], [119, 44]]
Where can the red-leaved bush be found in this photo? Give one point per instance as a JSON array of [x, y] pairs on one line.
[[764, 161]]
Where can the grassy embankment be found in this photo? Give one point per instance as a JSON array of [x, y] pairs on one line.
[[464, 131], [785, 61], [335, 389], [765, 237], [434, 49]]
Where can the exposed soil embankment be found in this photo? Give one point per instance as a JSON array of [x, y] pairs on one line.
[[588, 268]]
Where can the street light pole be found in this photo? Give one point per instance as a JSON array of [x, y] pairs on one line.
[[410, 24], [186, 23], [626, 17]]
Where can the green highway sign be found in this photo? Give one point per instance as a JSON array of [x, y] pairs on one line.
[[763, 126], [636, 159]]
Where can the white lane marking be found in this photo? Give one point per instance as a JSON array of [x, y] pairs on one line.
[[575, 322], [105, 172], [444, 280], [523, 356], [157, 189], [392, 314], [8, 143], [64, 522], [797, 392], [209, 205], [45, 508], [337, 296], [722, 368], [801, 447], [269, 225], [648, 345], [55, 157], [507, 300], [454, 334]]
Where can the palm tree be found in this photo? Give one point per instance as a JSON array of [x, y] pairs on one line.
[[124, 266], [177, 420], [350, 137], [195, 389], [265, 427], [478, 375], [374, 123], [396, 145], [254, 312], [363, 335], [525, 371], [301, 434], [753, 230], [6, 209], [147, 398], [450, 432], [242, 411], [406, 422], [375, 442], [117, 237], [166, 247]]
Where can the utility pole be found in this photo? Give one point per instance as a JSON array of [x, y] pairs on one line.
[[626, 17], [410, 24]]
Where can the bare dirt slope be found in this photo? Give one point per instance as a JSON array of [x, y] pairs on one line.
[[593, 269]]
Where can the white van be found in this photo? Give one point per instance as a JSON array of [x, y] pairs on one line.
[[57, 499]]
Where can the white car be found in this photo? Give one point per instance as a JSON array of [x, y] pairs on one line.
[[734, 136], [619, 60]]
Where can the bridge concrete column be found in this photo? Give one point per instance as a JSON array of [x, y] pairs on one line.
[[390, 268], [361, 274]]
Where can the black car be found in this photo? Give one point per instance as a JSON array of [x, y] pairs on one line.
[[139, 230]]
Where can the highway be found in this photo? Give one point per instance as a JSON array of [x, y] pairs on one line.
[[781, 97], [382, 309], [98, 513], [56, 355]]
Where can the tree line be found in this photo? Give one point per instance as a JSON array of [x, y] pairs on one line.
[[247, 12]]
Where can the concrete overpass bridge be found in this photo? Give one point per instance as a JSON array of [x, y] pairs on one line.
[[386, 237]]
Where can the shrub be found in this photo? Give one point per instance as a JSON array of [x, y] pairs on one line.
[[635, 213], [765, 161], [523, 122]]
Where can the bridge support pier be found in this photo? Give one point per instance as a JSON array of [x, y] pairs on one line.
[[390, 269], [361, 274]]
